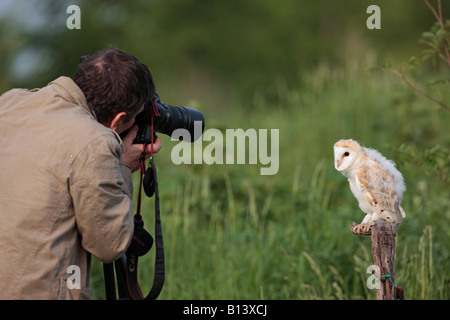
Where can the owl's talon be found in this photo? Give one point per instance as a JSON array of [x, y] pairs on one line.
[[362, 229], [368, 228]]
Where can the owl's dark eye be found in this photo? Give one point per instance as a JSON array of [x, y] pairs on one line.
[[346, 154]]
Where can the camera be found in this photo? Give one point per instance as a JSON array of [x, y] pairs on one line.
[[170, 119], [166, 119]]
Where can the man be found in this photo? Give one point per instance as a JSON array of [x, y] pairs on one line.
[[65, 175]]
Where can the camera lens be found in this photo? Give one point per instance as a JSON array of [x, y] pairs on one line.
[[172, 118]]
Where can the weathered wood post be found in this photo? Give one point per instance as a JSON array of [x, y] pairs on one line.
[[383, 235]]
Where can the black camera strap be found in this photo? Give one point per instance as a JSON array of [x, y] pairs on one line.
[[132, 256], [127, 266]]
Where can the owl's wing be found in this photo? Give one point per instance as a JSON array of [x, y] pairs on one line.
[[377, 186]]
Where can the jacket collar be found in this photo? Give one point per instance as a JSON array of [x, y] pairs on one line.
[[74, 92]]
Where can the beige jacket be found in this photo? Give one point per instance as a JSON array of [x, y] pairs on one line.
[[63, 193]]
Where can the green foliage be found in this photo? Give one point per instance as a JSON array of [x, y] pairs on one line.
[[434, 160], [241, 47], [435, 40]]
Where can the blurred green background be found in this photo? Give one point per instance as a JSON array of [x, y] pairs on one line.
[[299, 66], [209, 50]]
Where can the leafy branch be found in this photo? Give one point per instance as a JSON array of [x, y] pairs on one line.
[[402, 76], [434, 161], [437, 41], [442, 34]]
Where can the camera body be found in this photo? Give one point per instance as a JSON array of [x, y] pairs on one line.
[[170, 119]]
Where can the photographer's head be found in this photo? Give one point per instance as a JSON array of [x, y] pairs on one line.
[[116, 86]]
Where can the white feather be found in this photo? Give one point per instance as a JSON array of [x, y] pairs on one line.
[[391, 167]]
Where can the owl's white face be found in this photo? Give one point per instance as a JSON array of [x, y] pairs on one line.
[[345, 154]]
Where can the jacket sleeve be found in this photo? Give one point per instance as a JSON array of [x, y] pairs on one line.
[[101, 192]]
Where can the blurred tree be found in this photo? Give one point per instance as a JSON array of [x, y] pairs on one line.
[[243, 46]]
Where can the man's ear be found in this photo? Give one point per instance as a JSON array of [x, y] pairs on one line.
[[118, 121]]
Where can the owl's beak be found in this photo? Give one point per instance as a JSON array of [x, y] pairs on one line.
[[337, 163]]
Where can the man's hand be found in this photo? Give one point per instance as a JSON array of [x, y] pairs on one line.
[[132, 153]]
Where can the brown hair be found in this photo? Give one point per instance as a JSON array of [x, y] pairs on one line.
[[114, 81]]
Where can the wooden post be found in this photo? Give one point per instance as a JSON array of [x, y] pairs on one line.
[[383, 235]]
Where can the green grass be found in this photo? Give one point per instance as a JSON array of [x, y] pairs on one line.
[[230, 233]]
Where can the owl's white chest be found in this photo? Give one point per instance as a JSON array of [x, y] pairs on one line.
[[359, 195]]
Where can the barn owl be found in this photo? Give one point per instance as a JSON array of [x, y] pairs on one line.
[[374, 181]]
